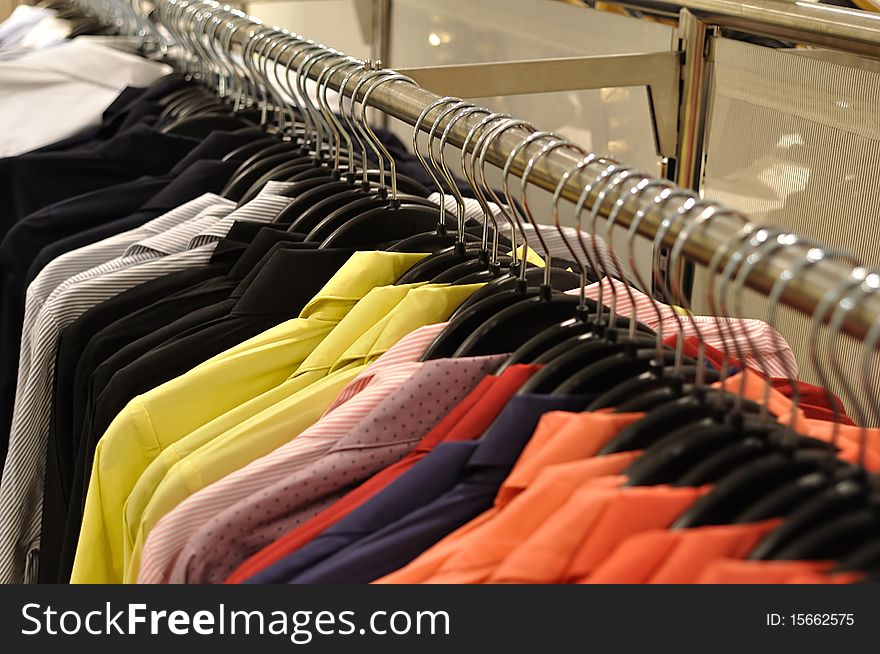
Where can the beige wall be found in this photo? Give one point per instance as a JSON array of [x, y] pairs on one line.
[[6, 7]]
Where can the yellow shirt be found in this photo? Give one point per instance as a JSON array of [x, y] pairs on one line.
[[367, 316], [167, 413], [292, 411]]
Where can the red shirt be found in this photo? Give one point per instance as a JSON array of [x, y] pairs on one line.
[[467, 421]]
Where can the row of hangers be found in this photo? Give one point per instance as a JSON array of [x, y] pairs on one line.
[[697, 430], [95, 17]]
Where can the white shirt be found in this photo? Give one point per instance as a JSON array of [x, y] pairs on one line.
[[52, 93]]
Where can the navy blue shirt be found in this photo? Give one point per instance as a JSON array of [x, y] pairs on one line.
[[452, 485]]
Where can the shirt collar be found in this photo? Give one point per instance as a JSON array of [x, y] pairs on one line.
[[206, 174], [145, 149], [286, 279], [372, 311], [429, 303], [503, 442], [362, 272], [171, 237], [265, 208], [259, 249], [215, 146], [561, 437]]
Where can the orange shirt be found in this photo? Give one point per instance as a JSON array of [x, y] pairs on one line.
[[676, 557], [559, 438], [555, 466], [588, 527], [485, 548]]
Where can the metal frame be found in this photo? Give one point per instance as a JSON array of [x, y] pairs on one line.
[[658, 71], [848, 30], [853, 32]]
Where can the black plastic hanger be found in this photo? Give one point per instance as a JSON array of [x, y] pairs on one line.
[[250, 171], [513, 326], [847, 493], [701, 454], [383, 224], [750, 483], [831, 520], [336, 192], [247, 150], [653, 381], [560, 280], [788, 497], [309, 174], [700, 402], [615, 369], [866, 557]]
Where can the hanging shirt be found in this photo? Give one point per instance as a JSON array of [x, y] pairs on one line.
[[590, 523], [468, 420], [346, 339], [22, 479], [153, 422], [284, 288], [61, 407], [240, 311], [42, 183], [52, 93], [376, 323], [201, 171], [677, 556], [116, 253], [24, 241], [271, 428], [625, 515], [762, 347], [450, 486], [21, 256], [472, 552], [392, 420]]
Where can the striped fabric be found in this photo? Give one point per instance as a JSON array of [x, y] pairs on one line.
[[166, 235], [84, 258], [22, 483], [172, 532], [754, 341]]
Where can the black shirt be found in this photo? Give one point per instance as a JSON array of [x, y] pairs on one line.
[[277, 292], [30, 182], [201, 171], [64, 225]]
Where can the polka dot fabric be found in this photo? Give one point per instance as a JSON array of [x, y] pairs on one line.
[[396, 415]]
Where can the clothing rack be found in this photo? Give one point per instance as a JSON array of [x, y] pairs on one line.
[[405, 101]]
